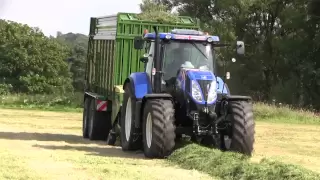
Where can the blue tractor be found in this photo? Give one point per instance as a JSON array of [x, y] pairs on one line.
[[179, 94]]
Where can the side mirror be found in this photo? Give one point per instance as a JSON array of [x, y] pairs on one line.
[[240, 47], [138, 42]]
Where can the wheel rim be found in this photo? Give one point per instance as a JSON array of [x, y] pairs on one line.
[[149, 130], [128, 119], [227, 141]]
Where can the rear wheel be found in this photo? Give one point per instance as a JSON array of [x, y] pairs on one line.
[[129, 138], [158, 128], [240, 137]]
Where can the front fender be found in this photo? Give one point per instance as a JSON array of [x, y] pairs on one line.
[[220, 88], [140, 84]]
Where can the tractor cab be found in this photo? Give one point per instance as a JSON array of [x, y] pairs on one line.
[[182, 58], [180, 48]]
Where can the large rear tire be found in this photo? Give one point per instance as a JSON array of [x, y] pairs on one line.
[[99, 123], [128, 134], [158, 128], [241, 135]]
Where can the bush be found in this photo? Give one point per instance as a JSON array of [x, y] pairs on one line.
[[5, 89]]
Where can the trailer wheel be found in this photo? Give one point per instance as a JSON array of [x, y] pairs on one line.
[[129, 139], [158, 128], [99, 123], [85, 118], [240, 137]]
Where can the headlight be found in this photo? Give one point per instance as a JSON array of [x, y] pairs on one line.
[[196, 91], [212, 93]]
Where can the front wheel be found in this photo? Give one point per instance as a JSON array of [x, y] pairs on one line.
[[240, 137], [129, 139], [158, 128]]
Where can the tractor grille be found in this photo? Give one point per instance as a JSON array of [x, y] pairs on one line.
[[204, 84]]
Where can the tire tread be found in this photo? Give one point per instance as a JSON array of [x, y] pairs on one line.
[[243, 127], [163, 140]]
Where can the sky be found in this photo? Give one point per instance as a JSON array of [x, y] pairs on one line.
[[63, 15]]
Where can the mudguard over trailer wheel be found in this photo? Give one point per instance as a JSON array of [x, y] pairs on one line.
[[130, 140], [99, 122], [241, 138], [158, 128]]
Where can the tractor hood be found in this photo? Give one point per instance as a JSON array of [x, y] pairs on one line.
[[200, 85], [195, 74]]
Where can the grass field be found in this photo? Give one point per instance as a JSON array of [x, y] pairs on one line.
[[297, 144], [48, 145], [37, 144]]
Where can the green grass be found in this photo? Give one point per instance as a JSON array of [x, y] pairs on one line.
[[71, 102], [284, 114], [233, 166]]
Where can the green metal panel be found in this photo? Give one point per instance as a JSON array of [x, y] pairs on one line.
[[111, 55], [128, 27]]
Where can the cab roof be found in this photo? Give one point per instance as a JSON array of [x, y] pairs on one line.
[[183, 34]]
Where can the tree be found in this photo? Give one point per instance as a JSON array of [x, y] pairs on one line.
[[153, 11], [313, 7], [78, 44], [31, 62]]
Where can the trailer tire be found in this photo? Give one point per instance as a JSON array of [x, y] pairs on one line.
[[85, 118], [242, 128], [129, 139], [158, 128], [99, 123]]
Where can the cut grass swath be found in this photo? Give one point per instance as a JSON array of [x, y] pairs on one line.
[[234, 166]]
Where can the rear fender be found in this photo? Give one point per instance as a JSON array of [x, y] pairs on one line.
[[140, 105], [139, 83], [101, 102]]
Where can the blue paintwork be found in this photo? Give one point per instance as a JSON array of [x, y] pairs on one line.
[[201, 75], [195, 75], [220, 85], [182, 37], [141, 83]]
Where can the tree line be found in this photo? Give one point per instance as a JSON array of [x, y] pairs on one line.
[[281, 61]]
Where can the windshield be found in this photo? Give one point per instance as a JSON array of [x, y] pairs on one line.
[[194, 55]]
